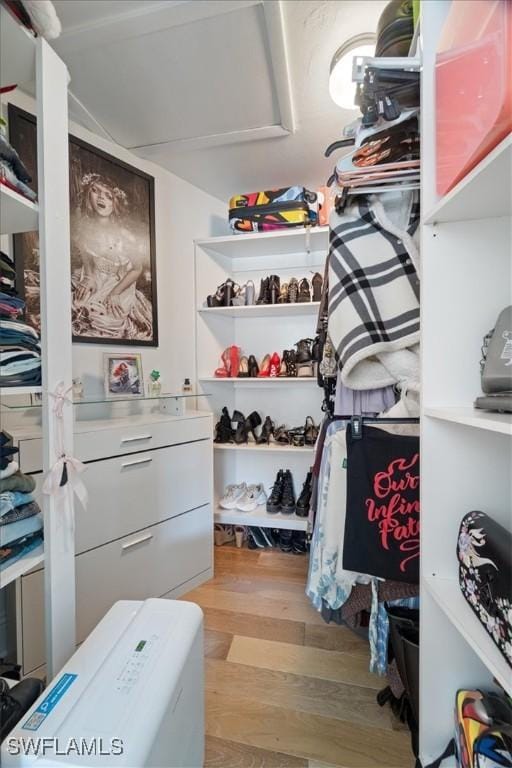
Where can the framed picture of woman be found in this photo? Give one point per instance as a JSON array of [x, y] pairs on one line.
[[112, 221]]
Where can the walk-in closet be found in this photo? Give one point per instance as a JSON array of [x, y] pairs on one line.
[[256, 383]]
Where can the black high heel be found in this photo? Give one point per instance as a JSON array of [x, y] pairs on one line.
[[223, 430], [253, 420], [310, 431], [281, 435], [264, 297], [274, 289], [267, 431], [253, 367]]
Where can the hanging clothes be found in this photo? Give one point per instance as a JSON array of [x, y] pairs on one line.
[[382, 529], [374, 291]]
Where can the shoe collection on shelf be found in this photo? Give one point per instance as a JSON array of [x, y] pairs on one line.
[[282, 498], [272, 291], [262, 538], [302, 362], [238, 429]]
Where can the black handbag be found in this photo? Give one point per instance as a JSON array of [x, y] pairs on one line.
[[485, 575]]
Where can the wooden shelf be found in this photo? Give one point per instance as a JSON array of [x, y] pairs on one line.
[[268, 243], [263, 449], [486, 192], [471, 417], [17, 214], [264, 381], [21, 566], [447, 594], [18, 52], [260, 517], [263, 310], [7, 391]]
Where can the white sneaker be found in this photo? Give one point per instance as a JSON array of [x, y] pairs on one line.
[[253, 497], [231, 495]]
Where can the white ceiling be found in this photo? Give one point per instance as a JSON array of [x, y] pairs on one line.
[[231, 95]]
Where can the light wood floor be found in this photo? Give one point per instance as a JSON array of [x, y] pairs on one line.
[[284, 689]]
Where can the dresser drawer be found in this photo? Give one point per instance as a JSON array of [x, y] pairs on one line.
[[122, 440], [146, 564], [132, 492]]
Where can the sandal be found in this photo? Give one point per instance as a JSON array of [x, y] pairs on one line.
[[281, 435], [297, 437], [243, 371]]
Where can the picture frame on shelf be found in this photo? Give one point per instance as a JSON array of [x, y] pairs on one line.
[[123, 377], [113, 257]]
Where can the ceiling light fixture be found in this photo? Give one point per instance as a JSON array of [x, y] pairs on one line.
[[341, 87]]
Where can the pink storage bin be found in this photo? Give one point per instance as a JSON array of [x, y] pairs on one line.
[[473, 86]]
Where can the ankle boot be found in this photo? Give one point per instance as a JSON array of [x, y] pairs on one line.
[[267, 431], [274, 500], [288, 495], [303, 502]]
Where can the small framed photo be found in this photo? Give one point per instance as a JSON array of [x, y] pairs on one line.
[[123, 375]]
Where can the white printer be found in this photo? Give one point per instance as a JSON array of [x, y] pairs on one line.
[[132, 695]]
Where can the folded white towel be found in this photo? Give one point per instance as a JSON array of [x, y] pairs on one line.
[[10, 469]]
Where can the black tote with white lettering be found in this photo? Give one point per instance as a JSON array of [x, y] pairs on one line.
[[383, 508]]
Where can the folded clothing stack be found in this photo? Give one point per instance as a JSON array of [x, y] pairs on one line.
[[13, 173], [20, 351], [21, 521]]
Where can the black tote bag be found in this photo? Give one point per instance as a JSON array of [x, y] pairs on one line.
[[382, 525]]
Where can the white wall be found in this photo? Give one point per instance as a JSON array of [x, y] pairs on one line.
[[182, 213]]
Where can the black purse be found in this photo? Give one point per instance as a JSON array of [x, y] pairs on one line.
[[485, 575]]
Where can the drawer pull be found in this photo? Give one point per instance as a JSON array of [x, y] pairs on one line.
[[137, 461], [135, 439], [134, 543]]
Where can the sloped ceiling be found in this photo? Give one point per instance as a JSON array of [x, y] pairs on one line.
[[230, 95]]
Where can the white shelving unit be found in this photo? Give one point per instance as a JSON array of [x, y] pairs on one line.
[[466, 454], [260, 517], [258, 330], [17, 213], [25, 59]]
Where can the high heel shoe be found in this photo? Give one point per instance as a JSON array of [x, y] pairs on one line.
[[223, 430], [288, 364], [223, 372], [283, 295], [228, 292], [252, 421], [275, 366], [234, 361], [243, 372], [253, 367], [304, 358], [274, 289], [293, 290], [241, 433], [304, 291], [310, 431], [264, 367], [316, 282], [267, 431], [250, 293], [281, 435], [264, 297]]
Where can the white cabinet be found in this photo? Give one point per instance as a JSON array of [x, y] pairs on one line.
[[148, 527], [147, 563]]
